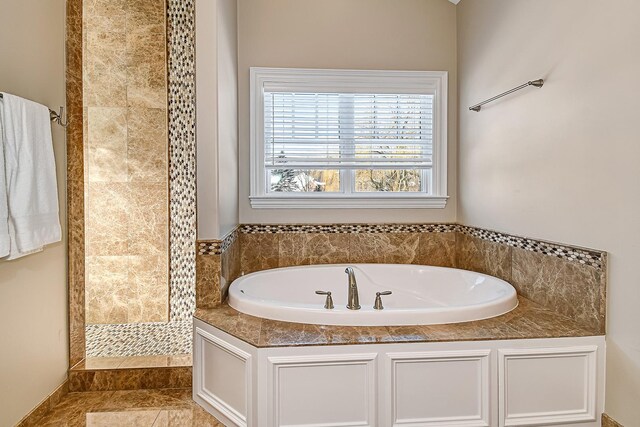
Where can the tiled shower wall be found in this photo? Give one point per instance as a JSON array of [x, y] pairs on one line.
[[126, 150], [567, 279], [109, 78]]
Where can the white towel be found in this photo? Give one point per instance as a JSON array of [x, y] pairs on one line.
[[5, 245], [30, 172]]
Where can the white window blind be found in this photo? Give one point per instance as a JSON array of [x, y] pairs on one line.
[[348, 130]]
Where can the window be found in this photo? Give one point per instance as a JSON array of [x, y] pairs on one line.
[[341, 138]]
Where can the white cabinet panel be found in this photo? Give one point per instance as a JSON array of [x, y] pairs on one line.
[[332, 390], [440, 388], [502, 383], [547, 386], [222, 376]]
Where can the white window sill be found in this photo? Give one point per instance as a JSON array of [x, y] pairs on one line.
[[340, 202]]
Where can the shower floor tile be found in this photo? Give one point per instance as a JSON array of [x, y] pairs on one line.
[[96, 363], [144, 408]]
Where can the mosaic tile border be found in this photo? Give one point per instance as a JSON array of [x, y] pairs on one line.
[[347, 228], [139, 339], [182, 158], [593, 258], [217, 247]]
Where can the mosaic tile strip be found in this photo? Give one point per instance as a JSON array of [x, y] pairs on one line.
[[217, 247], [138, 339], [347, 228], [182, 157], [590, 257]]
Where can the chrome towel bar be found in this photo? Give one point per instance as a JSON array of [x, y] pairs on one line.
[[55, 116], [537, 83]]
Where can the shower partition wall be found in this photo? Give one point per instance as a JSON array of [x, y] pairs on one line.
[[139, 179]]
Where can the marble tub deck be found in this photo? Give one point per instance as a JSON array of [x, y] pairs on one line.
[[528, 320], [140, 408]]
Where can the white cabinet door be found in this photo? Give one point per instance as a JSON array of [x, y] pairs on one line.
[[222, 378], [546, 386], [439, 388], [337, 390]]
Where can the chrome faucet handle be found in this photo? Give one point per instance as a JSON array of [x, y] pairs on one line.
[[378, 304], [328, 304]]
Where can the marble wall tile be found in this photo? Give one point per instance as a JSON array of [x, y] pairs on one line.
[[104, 69], [107, 231], [327, 248], [208, 274], [230, 268], [148, 219], [105, 50], [393, 248], [569, 288], [105, 7], [106, 22], [75, 179], [147, 15], [149, 284], [106, 88], [108, 293], [483, 256], [144, 46], [107, 144], [259, 252], [312, 248], [147, 153], [292, 250], [146, 86], [438, 249]]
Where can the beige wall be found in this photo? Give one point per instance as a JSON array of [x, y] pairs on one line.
[[560, 163], [33, 290], [353, 34], [217, 117]]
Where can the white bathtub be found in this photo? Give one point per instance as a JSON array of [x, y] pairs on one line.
[[422, 295]]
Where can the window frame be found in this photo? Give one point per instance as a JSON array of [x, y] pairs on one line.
[[365, 81]]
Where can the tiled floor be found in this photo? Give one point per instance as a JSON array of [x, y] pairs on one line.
[[143, 408], [137, 362]]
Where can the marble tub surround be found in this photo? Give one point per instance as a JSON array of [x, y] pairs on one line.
[[217, 265], [34, 418], [261, 251], [143, 408], [528, 320], [82, 378], [568, 280], [564, 278]]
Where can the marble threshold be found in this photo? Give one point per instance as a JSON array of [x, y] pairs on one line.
[[528, 320], [143, 408], [131, 373]]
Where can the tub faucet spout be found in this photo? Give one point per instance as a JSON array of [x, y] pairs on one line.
[[353, 302]]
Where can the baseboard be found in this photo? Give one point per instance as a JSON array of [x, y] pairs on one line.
[[33, 418], [607, 421]]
